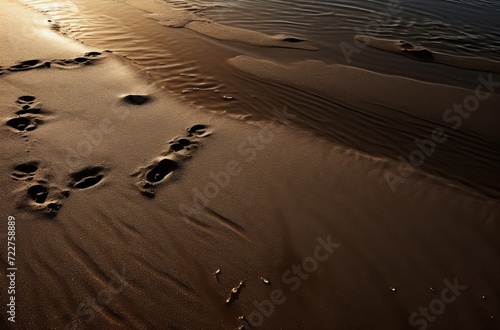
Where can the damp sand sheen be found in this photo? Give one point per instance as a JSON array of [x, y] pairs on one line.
[[171, 168]]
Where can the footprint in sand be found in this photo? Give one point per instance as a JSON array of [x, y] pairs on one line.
[[161, 170], [164, 167], [27, 65], [73, 61], [26, 104], [25, 171], [198, 130], [181, 144], [92, 54], [87, 58], [23, 122], [26, 99], [87, 177], [37, 193], [136, 99]]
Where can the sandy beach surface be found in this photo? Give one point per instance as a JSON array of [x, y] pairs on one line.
[[368, 201]]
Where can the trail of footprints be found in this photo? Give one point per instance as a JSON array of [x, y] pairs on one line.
[[38, 193], [28, 116], [86, 59], [163, 167]]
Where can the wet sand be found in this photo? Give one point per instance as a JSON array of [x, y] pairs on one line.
[[136, 209]]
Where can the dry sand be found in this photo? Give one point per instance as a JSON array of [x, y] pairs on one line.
[[104, 175]]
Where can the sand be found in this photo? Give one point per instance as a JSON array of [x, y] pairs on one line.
[[409, 106], [168, 16], [423, 54], [135, 210]]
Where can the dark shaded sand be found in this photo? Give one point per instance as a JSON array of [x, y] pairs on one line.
[[362, 89], [426, 55], [395, 107], [169, 16], [108, 257]]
